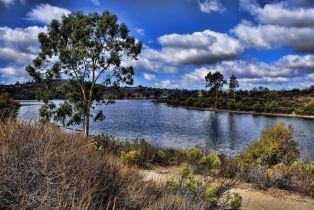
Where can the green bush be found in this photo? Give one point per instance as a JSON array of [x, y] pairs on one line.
[[272, 106], [235, 201], [185, 171], [8, 107], [232, 104], [311, 189], [275, 146], [212, 161], [309, 108], [195, 154], [211, 193], [257, 107], [131, 157]]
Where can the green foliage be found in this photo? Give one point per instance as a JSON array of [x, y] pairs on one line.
[[235, 201], [311, 189], [258, 107], [172, 183], [212, 161], [87, 50], [8, 107], [275, 146], [233, 84], [309, 108], [271, 106], [211, 193], [131, 157], [271, 96], [232, 104], [161, 154], [215, 81], [185, 171], [195, 154]]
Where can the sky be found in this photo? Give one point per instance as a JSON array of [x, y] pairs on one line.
[[263, 42]]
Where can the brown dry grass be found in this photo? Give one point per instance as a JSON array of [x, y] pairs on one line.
[[43, 167]]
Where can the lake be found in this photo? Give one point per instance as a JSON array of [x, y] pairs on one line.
[[174, 127]]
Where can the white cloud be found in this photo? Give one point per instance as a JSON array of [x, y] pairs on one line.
[[205, 47], [20, 35], [285, 13], [13, 56], [253, 72], [272, 36], [7, 2], [209, 6], [12, 74], [280, 23], [10, 71], [45, 13], [150, 77], [310, 77], [278, 14], [140, 31], [19, 45]]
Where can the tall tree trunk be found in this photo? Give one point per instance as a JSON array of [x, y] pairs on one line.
[[86, 124], [216, 98], [234, 95]]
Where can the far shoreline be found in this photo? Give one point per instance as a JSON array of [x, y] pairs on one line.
[[309, 117]]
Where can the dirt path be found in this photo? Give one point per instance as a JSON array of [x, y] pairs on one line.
[[252, 199]]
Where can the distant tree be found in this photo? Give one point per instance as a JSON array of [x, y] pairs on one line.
[[233, 84], [157, 93], [257, 107], [215, 82], [87, 50], [271, 96], [271, 106]]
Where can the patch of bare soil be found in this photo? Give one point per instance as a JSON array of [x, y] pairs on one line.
[[252, 198]]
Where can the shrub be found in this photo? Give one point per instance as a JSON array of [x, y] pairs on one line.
[[212, 161], [195, 154], [211, 193], [275, 146], [309, 108], [232, 104], [185, 171], [235, 201], [272, 106], [8, 107], [131, 157], [311, 189], [257, 107]]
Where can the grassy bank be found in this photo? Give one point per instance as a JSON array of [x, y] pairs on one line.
[[43, 167]]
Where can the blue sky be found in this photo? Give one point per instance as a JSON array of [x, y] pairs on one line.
[[268, 43]]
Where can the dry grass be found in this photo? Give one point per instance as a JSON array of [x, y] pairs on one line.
[[43, 167]]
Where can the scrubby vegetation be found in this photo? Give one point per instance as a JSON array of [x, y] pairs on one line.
[[8, 107], [272, 161], [43, 167], [256, 100]]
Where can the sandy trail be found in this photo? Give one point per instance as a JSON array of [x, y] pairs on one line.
[[252, 198]]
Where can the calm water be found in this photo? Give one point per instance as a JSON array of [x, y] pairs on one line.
[[181, 128]]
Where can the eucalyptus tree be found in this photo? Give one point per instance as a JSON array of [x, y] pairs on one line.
[[215, 82], [233, 84], [88, 51]]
